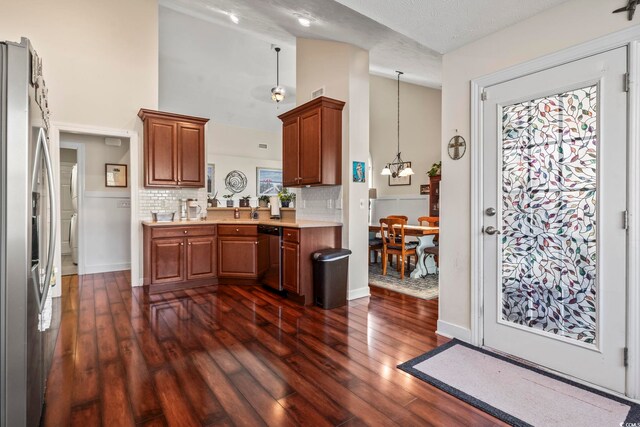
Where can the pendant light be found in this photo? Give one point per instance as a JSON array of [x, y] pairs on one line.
[[278, 92], [397, 168]]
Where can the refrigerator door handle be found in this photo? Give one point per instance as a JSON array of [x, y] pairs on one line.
[[42, 145], [54, 215]]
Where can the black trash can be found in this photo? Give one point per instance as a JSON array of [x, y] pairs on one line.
[[330, 277]]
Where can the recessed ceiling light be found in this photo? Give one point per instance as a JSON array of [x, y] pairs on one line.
[[234, 18], [304, 22]]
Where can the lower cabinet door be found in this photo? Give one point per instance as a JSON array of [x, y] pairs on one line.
[[291, 267], [167, 261], [238, 257], [201, 257], [264, 260]]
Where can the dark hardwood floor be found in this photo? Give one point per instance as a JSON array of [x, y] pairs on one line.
[[234, 355]]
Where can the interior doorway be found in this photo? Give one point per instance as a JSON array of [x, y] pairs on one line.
[[69, 210]]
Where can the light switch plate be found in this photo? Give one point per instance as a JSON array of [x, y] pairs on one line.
[[124, 204]]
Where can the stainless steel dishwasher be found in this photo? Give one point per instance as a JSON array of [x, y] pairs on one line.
[[273, 276]]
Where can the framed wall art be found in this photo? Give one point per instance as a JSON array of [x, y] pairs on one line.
[[268, 181], [115, 175], [400, 180]]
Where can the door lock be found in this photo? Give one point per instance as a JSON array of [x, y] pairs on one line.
[[491, 230]]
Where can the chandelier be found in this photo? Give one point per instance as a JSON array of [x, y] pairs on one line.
[[397, 167]]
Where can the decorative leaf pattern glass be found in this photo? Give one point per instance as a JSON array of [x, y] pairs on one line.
[[549, 164]]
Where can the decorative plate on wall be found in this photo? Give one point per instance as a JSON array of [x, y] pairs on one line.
[[235, 181]]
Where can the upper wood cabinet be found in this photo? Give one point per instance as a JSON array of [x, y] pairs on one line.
[[312, 143], [174, 152]]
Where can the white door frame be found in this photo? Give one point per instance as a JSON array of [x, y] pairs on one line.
[[80, 161], [630, 38], [54, 137]]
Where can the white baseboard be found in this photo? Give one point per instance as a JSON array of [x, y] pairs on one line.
[[450, 330], [358, 293], [93, 269], [140, 282]]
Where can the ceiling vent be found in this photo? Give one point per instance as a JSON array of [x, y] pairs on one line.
[[318, 92], [114, 142], [263, 146]]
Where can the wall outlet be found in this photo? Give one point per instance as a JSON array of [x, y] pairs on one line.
[[124, 204], [329, 203]]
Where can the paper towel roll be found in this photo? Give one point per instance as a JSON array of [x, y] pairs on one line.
[[275, 206]]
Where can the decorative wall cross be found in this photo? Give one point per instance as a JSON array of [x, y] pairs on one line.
[[630, 8]]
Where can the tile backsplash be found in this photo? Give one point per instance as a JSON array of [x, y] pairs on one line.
[[167, 200], [319, 203]]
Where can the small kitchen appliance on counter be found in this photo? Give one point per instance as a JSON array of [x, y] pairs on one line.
[[193, 210], [183, 209]]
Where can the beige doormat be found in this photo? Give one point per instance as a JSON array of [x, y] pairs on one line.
[[426, 288], [516, 393]]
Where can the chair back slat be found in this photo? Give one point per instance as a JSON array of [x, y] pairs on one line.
[[432, 221], [390, 233]]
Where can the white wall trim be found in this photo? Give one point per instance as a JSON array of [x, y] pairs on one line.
[[449, 330], [105, 268], [54, 134], [358, 293], [107, 194], [633, 237], [627, 37]]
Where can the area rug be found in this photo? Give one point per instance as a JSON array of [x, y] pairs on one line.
[[426, 288], [518, 394]]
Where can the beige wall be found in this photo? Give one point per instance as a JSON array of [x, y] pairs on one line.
[[420, 127], [567, 25], [343, 70], [234, 148], [96, 154], [100, 58]]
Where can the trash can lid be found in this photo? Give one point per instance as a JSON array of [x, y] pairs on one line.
[[331, 254]]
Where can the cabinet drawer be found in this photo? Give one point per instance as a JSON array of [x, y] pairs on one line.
[[238, 230], [291, 235], [207, 230]]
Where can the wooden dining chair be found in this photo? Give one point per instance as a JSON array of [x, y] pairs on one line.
[[406, 219], [432, 221], [393, 243], [375, 246]]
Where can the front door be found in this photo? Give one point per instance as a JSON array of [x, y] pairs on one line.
[[554, 197]]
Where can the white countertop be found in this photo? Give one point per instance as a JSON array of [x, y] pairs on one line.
[[300, 223]]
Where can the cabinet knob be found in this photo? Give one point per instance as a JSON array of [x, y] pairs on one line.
[[185, 231], [237, 230], [189, 243], [181, 244], [288, 234]]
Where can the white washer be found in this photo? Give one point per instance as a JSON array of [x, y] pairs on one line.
[[73, 238]]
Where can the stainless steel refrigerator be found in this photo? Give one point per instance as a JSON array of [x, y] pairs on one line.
[[28, 214]]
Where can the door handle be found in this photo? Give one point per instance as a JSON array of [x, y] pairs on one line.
[[42, 145], [491, 230]]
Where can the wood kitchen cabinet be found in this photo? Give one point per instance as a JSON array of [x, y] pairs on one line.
[[174, 149], [179, 256], [291, 267], [242, 254], [312, 143], [434, 196], [298, 246]]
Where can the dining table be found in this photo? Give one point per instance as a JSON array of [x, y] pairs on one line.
[[425, 235]]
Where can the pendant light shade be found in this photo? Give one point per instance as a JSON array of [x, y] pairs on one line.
[[278, 93], [397, 166]]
